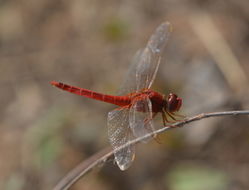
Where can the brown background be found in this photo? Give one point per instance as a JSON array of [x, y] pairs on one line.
[[45, 132]]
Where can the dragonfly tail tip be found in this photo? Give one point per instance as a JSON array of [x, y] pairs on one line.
[[54, 83]]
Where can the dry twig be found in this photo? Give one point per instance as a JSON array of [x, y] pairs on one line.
[[100, 157]]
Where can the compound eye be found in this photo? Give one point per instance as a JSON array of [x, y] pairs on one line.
[[174, 103], [179, 104], [172, 98]]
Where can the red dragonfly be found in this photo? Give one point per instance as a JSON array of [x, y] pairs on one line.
[[138, 104]]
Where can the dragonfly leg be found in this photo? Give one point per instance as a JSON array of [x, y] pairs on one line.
[[149, 119], [165, 119], [170, 115], [155, 137], [178, 115]]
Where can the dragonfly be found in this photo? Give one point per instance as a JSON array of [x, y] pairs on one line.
[[137, 103]]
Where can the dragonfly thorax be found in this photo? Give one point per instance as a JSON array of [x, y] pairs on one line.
[[157, 100]]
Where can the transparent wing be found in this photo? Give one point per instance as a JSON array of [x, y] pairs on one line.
[[129, 85], [119, 133], [140, 117], [146, 62]]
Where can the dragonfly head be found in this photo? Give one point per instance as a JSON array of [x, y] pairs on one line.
[[174, 103]]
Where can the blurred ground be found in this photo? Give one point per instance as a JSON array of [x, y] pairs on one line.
[[46, 132]]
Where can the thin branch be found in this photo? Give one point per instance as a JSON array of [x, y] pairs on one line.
[[101, 157]]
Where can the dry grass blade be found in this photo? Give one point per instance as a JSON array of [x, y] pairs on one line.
[[218, 47], [100, 157]]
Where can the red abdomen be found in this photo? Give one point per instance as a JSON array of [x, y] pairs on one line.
[[117, 100]]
